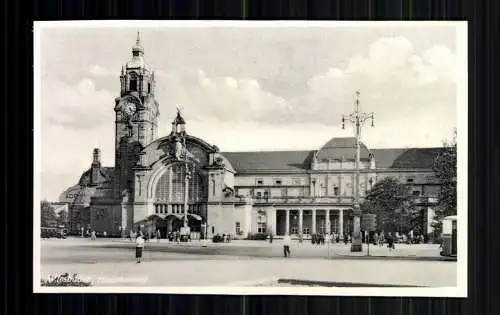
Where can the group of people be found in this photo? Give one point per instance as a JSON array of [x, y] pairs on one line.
[[379, 239], [409, 238]]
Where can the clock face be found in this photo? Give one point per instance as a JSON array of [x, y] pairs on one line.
[[129, 109]]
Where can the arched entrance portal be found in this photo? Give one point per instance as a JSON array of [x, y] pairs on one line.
[[172, 223], [169, 194]]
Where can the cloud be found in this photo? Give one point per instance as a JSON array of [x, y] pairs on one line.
[[78, 106], [392, 78], [226, 98], [99, 71]]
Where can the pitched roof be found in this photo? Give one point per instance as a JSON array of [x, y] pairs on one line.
[[269, 160], [398, 158], [409, 158]]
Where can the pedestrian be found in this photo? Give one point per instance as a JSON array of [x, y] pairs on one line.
[[93, 236], [271, 238], [390, 243], [139, 246], [286, 245], [105, 234]]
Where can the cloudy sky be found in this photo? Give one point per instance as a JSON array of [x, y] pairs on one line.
[[244, 89]]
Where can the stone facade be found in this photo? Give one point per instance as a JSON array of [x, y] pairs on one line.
[[237, 193]]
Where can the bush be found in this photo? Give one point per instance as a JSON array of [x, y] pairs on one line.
[[257, 237], [65, 280]]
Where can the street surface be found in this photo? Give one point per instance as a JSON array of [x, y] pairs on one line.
[[111, 262]]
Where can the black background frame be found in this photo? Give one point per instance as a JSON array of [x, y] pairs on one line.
[[484, 155]]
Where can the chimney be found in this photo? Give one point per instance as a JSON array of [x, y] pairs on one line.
[[96, 167]]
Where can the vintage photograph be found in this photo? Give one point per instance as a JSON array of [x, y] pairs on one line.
[[319, 158]]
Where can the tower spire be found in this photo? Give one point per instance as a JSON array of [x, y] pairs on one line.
[[137, 49]]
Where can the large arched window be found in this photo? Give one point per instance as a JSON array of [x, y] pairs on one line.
[[170, 187]]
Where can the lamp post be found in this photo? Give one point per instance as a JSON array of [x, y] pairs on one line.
[[357, 118]]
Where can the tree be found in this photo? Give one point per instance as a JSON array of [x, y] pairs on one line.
[[445, 168], [48, 216], [394, 206]]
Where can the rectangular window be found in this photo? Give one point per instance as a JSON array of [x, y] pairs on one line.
[[261, 227], [149, 88], [260, 181], [305, 230], [277, 181], [259, 195], [238, 228], [409, 180], [294, 230], [266, 194], [416, 193]]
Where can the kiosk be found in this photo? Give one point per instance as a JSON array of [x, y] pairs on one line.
[[449, 236]]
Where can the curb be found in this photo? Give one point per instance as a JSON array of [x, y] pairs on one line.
[[417, 258], [341, 284]]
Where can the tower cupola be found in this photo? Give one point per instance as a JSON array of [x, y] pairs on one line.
[[179, 124]]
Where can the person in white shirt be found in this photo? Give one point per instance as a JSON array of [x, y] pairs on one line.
[[286, 245], [139, 245]]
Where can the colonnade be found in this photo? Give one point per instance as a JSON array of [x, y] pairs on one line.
[[326, 216]]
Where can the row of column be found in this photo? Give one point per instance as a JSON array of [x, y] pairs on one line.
[[169, 208], [175, 208], [327, 221]]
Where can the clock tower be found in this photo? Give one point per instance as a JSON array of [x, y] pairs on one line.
[[137, 115]]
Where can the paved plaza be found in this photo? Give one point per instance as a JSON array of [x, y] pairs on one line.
[[110, 262]]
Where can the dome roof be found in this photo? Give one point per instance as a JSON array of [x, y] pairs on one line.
[[105, 172], [138, 62], [138, 57], [342, 148]]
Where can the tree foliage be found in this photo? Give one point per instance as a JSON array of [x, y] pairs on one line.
[[394, 206], [48, 215], [445, 168]]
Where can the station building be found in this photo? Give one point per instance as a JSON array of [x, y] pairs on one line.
[[237, 193]]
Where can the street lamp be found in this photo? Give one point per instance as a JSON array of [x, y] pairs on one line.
[[357, 118]]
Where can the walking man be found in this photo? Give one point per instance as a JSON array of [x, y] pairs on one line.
[[286, 245]]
